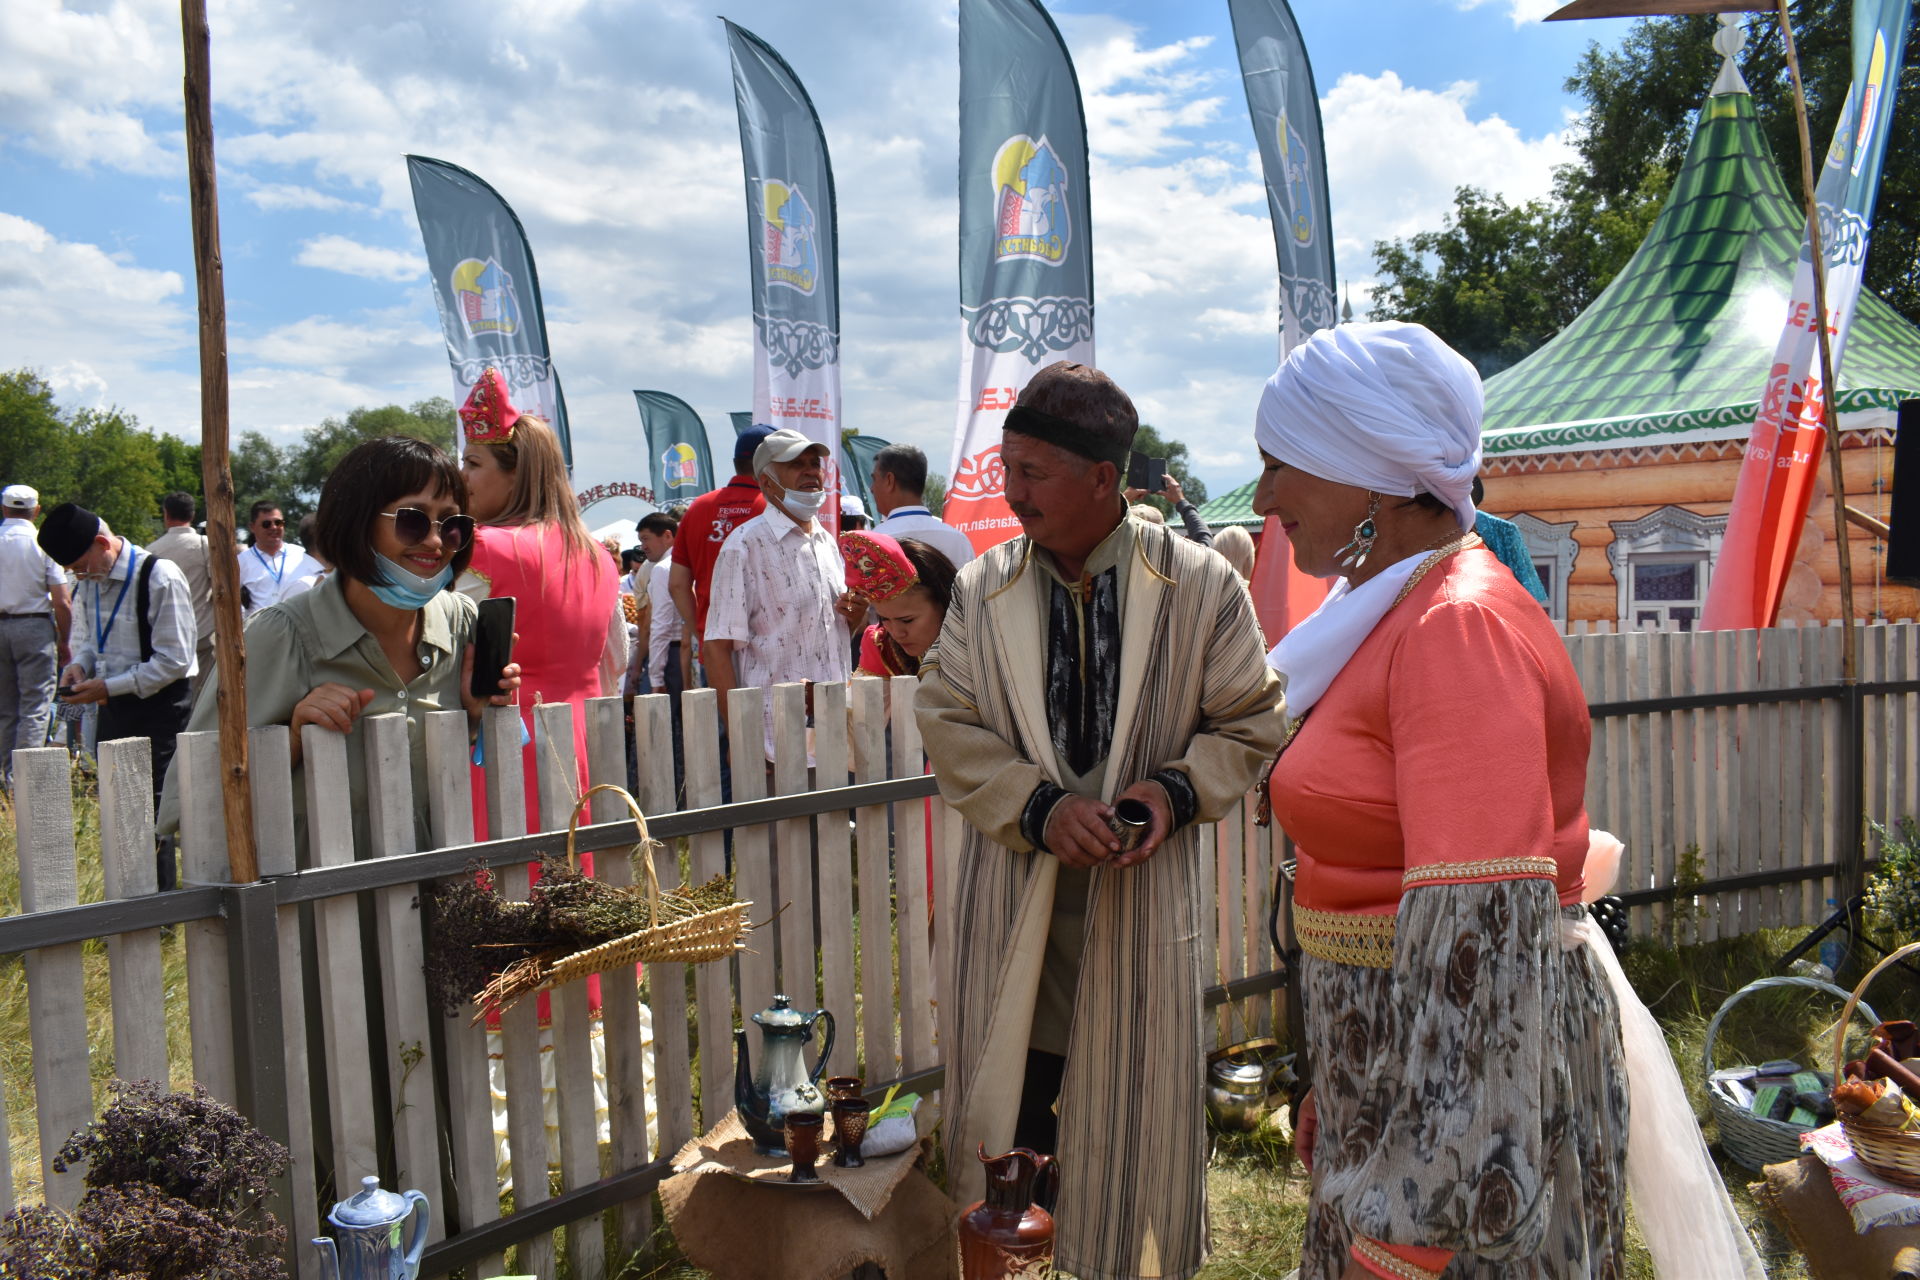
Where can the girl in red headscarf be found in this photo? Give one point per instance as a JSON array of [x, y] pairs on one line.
[[909, 585]]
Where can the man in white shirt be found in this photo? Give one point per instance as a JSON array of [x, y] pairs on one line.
[[273, 569], [187, 550], [664, 670], [34, 619], [778, 581], [899, 484], [133, 650]]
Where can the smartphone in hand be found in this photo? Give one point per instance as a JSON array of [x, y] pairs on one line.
[[492, 645]]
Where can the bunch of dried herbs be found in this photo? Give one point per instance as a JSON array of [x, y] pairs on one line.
[[474, 935], [176, 1188]]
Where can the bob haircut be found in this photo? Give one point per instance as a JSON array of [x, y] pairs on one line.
[[367, 482]]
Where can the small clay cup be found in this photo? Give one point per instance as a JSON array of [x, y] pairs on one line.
[[803, 1144], [850, 1117], [839, 1087]]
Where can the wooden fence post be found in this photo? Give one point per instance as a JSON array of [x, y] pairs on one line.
[[56, 989], [127, 866]]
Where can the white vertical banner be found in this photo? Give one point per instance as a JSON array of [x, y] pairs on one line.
[[793, 252], [1026, 244]]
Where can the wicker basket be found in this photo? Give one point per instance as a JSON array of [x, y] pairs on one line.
[[693, 937], [1756, 1141], [1891, 1153]]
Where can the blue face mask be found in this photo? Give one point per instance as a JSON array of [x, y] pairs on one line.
[[405, 589]]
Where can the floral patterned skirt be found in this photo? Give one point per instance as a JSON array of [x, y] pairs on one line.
[[1473, 1097]]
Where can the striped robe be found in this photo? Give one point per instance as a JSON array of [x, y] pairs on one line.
[[1195, 694]]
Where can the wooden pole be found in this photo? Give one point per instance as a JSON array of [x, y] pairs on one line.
[[215, 473], [1852, 780]]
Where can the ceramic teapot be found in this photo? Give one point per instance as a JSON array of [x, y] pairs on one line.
[[1010, 1233], [366, 1237], [783, 1084]]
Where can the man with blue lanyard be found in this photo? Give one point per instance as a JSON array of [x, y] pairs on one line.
[[133, 639], [273, 568]]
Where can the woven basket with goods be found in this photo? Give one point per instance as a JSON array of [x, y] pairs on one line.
[[1757, 1140], [1878, 1097], [640, 924]]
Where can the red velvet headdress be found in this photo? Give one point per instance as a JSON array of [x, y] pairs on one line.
[[877, 568], [488, 415]]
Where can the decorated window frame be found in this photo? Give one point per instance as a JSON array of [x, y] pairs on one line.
[[1662, 563], [1553, 550]]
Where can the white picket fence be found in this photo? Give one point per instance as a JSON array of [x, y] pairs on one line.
[[406, 1092], [858, 937]]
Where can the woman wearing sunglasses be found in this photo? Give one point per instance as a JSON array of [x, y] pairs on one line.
[[533, 546], [379, 634]]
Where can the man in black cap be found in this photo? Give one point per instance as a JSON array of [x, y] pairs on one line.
[[132, 656]]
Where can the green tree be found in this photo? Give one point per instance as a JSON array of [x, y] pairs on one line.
[[936, 494], [313, 460], [260, 473], [116, 471], [180, 469], [33, 437], [1150, 442], [1497, 280]]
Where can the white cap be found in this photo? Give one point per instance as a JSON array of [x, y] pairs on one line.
[[850, 505], [19, 497], [783, 445]]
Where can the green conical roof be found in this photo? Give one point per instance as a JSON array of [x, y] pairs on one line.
[[1678, 346], [1233, 508]]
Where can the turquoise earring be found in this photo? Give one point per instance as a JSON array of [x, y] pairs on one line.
[[1355, 553]]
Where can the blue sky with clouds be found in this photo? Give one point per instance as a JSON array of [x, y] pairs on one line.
[[610, 127]]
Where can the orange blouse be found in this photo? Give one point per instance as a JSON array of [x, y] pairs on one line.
[[1452, 748]]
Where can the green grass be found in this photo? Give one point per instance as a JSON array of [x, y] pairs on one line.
[[1257, 1192]]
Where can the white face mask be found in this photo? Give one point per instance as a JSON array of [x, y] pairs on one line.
[[803, 504]]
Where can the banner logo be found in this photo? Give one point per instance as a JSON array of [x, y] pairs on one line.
[[791, 249], [1030, 186], [1298, 189], [484, 297], [980, 477], [679, 469]]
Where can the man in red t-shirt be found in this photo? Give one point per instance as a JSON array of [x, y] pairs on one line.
[[709, 519]]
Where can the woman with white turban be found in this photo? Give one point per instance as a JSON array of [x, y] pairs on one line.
[[1469, 1106], [1470, 1100]]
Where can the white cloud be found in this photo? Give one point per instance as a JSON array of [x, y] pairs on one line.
[[1521, 11], [77, 83], [278, 197], [1397, 152], [338, 253]]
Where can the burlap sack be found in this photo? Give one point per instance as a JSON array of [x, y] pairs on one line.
[[887, 1214], [1799, 1194]]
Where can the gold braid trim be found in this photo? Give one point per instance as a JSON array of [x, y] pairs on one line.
[[1373, 1254], [1503, 868], [1345, 937]]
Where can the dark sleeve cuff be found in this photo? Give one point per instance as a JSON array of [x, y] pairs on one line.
[[1197, 530], [1180, 795], [1033, 818]]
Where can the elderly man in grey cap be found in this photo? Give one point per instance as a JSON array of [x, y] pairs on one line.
[[779, 581], [35, 615]]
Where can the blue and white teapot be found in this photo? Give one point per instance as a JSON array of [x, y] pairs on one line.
[[367, 1232]]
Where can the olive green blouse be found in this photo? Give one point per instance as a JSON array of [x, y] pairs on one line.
[[313, 639]]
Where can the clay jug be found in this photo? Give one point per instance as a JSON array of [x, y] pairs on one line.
[[1008, 1235]]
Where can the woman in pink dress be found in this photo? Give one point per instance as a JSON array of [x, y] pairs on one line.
[[532, 545]]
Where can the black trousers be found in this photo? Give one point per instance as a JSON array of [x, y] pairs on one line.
[[160, 719]]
